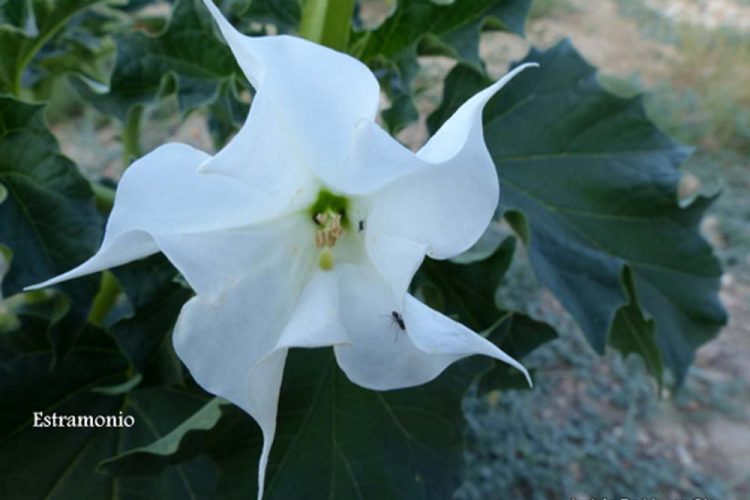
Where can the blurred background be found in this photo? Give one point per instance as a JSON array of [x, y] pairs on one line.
[[591, 426], [599, 428]]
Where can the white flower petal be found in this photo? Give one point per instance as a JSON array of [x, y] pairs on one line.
[[263, 155], [316, 320], [448, 205], [463, 130], [213, 262], [123, 248], [228, 346], [396, 259], [235, 347], [381, 356], [162, 194], [220, 338], [377, 159], [436, 333], [319, 95], [264, 385]]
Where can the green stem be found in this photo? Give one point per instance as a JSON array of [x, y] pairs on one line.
[[109, 290], [15, 85], [131, 132], [327, 22], [104, 196]]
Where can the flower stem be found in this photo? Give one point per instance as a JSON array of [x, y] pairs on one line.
[[131, 131], [109, 290], [104, 196], [327, 22]]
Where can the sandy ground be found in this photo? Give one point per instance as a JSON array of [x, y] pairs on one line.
[[711, 14]]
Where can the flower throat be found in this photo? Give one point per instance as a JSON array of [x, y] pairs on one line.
[[330, 218]]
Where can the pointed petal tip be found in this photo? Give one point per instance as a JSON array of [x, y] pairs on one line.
[[503, 357], [48, 283], [38, 286], [524, 66], [512, 73], [528, 379], [518, 366]]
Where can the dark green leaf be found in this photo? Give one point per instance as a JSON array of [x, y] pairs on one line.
[[27, 383], [342, 441], [18, 47], [41, 313], [455, 27], [82, 48], [48, 219], [188, 53], [397, 76], [18, 15], [419, 27], [226, 115], [633, 333], [518, 335], [182, 443], [467, 291], [334, 440], [28, 321], [597, 185], [60, 462], [144, 334], [146, 280]]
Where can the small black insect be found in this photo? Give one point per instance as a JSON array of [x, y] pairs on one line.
[[396, 317], [361, 227]]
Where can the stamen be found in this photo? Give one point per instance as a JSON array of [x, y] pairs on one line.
[[329, 215], [336, 229], [330, 229], [321, 218]]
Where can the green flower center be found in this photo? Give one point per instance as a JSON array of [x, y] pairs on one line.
[[329, 214], [329, 203]]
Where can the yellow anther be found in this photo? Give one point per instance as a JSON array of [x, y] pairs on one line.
[[321, 218], [330, 230]]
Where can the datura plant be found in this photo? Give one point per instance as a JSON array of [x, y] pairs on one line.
[[313, 227], [307, 229]]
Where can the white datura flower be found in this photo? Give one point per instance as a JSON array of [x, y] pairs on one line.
[[306, 230]]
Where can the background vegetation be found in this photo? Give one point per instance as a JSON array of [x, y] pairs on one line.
[[599, 428]]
